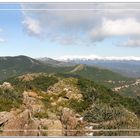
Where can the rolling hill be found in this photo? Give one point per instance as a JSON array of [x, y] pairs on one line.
[[12, 66], [97, 74], [126, 67]]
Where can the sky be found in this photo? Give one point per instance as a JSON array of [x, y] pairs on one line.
[[70, 29]]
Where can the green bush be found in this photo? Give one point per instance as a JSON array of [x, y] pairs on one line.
[[41, 115], [93, 92], [102, 112], [9, 99], [78, 106], [39, 83]]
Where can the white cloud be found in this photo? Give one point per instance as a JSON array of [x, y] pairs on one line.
[[82, 26], [2, 40], [32, 26], [120, 27], [65, 27], [134, 42]]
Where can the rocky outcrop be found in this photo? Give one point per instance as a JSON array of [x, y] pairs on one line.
[[51, 112], [28, 121], [72, 124], [22, 122], [29, 76], [52, 127], [15, 125], [21, 125], [6, 86], [32, 102], [4, 117], [66, 89]]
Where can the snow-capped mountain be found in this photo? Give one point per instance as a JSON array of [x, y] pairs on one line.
[[95, 57], [128, 66]]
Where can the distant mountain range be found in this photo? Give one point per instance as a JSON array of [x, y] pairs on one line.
[[50, 61], [128, 66], [99, 69], [95, 57], [13, 66]]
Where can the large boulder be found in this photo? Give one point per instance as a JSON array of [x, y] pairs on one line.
[[31, 101], [70, 122], [15, 126], [52, 127], [4, 117], [21, 125]]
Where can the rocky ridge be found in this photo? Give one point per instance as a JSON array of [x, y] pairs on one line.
[[52, 112]]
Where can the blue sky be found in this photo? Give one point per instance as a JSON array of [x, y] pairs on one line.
[[59, 33]]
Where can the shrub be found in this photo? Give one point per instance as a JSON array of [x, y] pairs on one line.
[[78, 106], [93, 92], [9, 99], [41, 115], [38, 83], [102, 112]]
